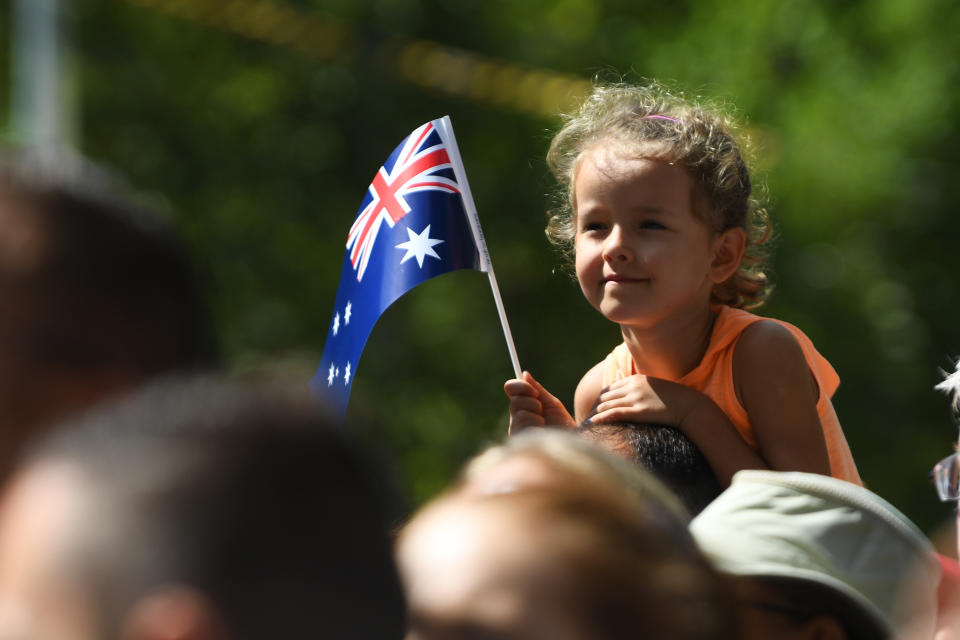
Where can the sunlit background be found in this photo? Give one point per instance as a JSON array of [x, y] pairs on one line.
[[259, 123]]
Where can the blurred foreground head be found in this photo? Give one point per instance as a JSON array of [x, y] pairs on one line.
[[817, 557], [556, 549], [98, 295], [198, 511]]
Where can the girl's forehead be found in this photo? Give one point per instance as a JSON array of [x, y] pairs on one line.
[[635, 173], [627, 149], [604, 168], [616, 160]]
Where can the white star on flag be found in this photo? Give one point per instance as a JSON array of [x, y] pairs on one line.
[[347, 312], [336, 323], [346, 374], [419, 246], [330, 376]]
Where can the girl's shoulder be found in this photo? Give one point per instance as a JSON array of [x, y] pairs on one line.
[[756, 336], [588, 390], [729, 326], [765, 336], [767, 352], [778, 347], [766, 341]]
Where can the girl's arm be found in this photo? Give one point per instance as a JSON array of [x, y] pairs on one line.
[[780, 394], [640, 398]]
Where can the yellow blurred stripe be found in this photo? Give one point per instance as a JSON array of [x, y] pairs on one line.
[[423, 63]]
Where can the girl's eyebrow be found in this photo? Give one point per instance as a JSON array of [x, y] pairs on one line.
[[588, 212], [648, 208]]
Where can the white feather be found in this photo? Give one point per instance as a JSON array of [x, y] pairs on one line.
[[951, 385]]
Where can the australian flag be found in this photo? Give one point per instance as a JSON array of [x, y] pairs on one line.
[[416, 221]]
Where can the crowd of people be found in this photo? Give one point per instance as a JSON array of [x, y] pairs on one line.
[[700, 488]]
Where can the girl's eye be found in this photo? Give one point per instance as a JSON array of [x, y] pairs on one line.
[[592, 226], [651, 224]]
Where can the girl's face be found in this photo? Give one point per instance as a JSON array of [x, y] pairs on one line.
[[642, 257]]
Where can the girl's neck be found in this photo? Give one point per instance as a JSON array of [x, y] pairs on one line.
[[670, 351]]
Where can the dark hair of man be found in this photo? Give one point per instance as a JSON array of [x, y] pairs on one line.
[[664, 451], [100, 280], [250, 496]]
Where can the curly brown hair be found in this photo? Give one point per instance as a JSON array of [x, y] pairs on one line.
[[702, 138]]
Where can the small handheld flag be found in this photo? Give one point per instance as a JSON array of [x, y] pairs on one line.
[[417, 220]]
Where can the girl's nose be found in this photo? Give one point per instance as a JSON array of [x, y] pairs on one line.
[[615, 247]]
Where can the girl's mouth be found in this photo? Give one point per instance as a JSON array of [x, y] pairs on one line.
[[624, 279]]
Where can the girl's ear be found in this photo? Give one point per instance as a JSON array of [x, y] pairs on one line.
[[728, 248]]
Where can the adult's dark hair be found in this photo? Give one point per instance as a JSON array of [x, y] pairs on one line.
[[666, 452], [249, 496], [97, 280]]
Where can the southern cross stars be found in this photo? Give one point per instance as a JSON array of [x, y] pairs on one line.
[[347, 312], [334, 372], [419, 246]]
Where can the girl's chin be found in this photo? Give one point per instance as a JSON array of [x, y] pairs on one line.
[[620, 315]]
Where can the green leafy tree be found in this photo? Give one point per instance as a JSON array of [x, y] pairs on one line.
[[262, 131]]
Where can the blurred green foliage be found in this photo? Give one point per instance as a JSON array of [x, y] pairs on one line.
[[264, 152]]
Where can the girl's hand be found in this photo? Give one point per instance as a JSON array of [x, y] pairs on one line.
[[643, 399], [533, 406], [640, 398]]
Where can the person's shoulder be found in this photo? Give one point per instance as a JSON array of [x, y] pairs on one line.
[[764, 346], [594, 376], [765, 336], [588, 390]]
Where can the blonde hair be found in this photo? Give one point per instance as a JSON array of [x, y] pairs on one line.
[[701, 138], [580, 462]]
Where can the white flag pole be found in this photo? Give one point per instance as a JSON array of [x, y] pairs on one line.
[[485, 265]]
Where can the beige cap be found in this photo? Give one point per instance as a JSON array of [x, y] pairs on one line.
[[809, 527]]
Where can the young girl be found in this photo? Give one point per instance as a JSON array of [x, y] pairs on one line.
[[666, 241]]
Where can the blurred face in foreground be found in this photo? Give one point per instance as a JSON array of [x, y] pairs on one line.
[[38, 599], [557, 563], [46, 591], [475, 569]]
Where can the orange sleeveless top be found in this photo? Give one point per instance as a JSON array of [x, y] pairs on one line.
[[714, 378]]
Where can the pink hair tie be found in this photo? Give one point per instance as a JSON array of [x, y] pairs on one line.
[[659, 117]]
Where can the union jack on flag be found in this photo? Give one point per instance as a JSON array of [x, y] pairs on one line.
[[416, 221], [420, 166]]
